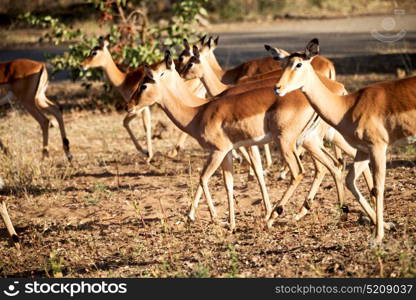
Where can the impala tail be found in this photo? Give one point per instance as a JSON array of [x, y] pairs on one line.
[[42, 83], [332, 75]]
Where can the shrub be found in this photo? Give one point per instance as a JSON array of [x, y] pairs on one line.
[[134, 38]]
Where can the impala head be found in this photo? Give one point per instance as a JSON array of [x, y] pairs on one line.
[[193, 69], [211, 43], [187, 52], [296, 68], [276, 53], [98, 55], [150, 90]]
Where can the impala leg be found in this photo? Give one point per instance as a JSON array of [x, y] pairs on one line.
[[268, 155], [194, 206], [342, 144], [6, 218], [284, 169], [246, 157], [320, 172], [290, 156], [335, 161], [315, 146], [4, 148], [214, 161], [43, 122], [46, 105], [378, 158], [179, 145], [255, 158], [361, 161], [126, 123], [370, 184], [227, 170], [147, 124], [338, 156]]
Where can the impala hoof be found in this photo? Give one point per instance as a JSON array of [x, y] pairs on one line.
[[390, 226], [191, 217], [364, 220], [301, 214], [280, 210], [268, 215], [69, 157], [172, 153], [376, 242], [269, 223]]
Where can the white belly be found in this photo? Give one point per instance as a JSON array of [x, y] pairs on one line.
[[254, 141]]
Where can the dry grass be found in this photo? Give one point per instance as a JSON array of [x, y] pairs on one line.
[[110, 214]]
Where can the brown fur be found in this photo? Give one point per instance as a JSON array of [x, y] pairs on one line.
[[264, 65], [14, 70]]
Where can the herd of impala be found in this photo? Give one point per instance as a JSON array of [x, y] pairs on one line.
[[291, 99]]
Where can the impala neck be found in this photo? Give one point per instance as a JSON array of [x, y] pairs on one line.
[[210, 79], [196, 87], [332, 108], [213, 62], [113, 73], [175, 93]]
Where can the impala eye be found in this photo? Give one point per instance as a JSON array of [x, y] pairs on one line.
[[143, 87], [298, 65], [93, 53], [180, 58]]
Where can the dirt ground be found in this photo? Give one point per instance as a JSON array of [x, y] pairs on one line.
[[111, 214]]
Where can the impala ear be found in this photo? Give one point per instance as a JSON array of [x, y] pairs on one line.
[[277, 54], [202, 40], [101, 41], [312, 48], [209, 42], [104, 41], [148, 72], [186, 45], [168, 59], [195, 51]]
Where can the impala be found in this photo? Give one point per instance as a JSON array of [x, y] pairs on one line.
[[198, 67], [252, 118], [25, 81], [126, 84], [370, 119]]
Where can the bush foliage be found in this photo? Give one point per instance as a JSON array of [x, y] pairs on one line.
[[135, 39]]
